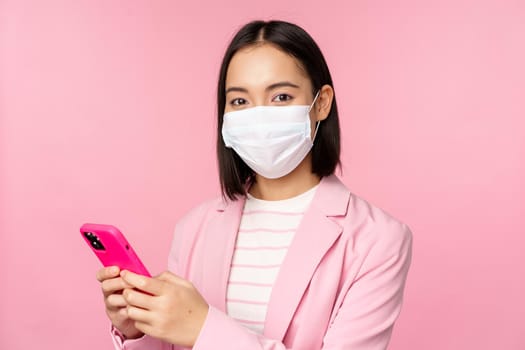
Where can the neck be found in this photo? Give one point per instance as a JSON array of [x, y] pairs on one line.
[[300, 180]]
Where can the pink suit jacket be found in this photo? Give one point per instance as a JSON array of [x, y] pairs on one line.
[[340, 286]]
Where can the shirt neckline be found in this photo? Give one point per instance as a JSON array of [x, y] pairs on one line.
[[298, 197]]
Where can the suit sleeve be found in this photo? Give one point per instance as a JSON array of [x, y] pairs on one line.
[[143, 343], [373, 302]]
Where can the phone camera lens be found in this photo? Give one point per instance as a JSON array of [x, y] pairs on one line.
[[94, 241]]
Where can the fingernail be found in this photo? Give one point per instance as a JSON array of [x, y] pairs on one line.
[[113, 270]]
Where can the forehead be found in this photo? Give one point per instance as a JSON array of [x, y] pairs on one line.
[[262, 65]]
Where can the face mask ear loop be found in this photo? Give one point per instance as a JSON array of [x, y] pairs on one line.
[[309, 109], [313, 102], [316, 128]]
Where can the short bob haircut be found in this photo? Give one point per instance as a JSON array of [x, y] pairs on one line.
[[235, 175]]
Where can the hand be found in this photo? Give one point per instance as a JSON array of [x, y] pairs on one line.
[[169, 307], [112, 287]]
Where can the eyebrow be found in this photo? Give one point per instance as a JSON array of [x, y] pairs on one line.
[[268, 88]]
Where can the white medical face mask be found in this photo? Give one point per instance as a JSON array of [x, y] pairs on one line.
[[271, 140]]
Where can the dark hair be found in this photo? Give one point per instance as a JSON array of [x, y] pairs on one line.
[[234, 174]]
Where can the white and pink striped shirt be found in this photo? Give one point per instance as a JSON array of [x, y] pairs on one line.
[[266, 231]]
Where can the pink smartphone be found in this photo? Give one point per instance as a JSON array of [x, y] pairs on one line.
[[112, 248]]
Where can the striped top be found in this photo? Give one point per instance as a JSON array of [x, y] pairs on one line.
[[266, 231]]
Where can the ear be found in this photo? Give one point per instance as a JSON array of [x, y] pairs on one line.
[[324, 102]]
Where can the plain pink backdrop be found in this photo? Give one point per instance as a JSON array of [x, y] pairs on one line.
[[107, 115]]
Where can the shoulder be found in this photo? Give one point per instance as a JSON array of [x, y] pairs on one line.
[[364, 224], [375, 232], [201, 213], [374, 217], [188, 231]]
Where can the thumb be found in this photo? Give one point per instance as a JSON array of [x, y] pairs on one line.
[[169, 277]]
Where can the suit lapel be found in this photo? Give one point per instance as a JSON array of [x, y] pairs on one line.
[[315, 235], [219, 244]]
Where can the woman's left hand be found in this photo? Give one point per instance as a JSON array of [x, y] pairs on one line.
[[172, 310]]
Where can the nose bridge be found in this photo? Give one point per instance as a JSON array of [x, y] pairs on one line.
[[259, 97], [257, 102]]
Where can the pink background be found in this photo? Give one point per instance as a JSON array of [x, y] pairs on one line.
[[108, 115]]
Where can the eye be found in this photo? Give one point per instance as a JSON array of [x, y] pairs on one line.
[[238, 102], [282, 98]]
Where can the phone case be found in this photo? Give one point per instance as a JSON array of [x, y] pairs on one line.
[[112, 248]]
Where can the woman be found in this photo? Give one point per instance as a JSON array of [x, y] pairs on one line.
[[289, 258]]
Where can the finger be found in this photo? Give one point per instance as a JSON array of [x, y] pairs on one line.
[[146, 284], [138, 299], [107, 272], [139, 315], [147, 328], [123, 312], [169, 277], [116, 301], [113, 285]]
